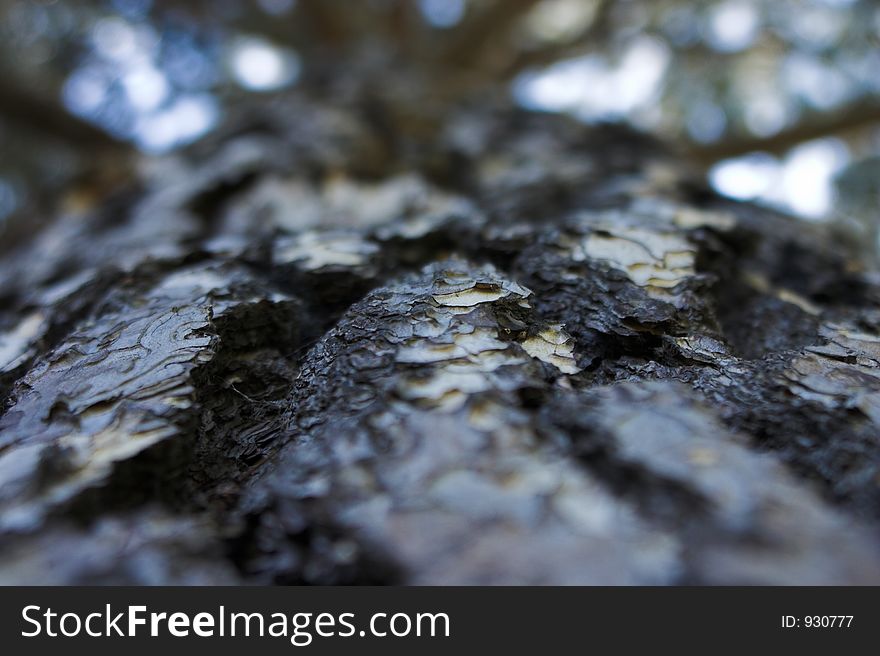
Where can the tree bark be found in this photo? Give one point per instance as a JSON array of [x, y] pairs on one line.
[[326, 347]]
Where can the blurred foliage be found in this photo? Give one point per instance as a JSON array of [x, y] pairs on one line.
[[720, 78]]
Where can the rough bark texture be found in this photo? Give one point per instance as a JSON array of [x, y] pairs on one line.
[[504, 348]]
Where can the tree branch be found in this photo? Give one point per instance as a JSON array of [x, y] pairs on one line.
[[26, 108], [846, 119], [583, 43], [479, 34]]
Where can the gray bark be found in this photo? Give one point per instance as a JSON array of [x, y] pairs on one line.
[[504, 348]]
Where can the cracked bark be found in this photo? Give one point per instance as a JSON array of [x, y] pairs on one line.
[[507, 349]]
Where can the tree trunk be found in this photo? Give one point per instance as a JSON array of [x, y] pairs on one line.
[[344, 345]]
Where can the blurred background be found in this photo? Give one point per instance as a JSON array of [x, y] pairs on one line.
[[776, 100]]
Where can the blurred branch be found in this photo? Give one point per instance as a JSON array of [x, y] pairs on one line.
[[311, 24], [593, 34], [47, 117], [848, 118], [327, 20], [404, 26], [480, 33]]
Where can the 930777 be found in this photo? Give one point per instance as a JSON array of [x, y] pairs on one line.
[[817, 621]]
